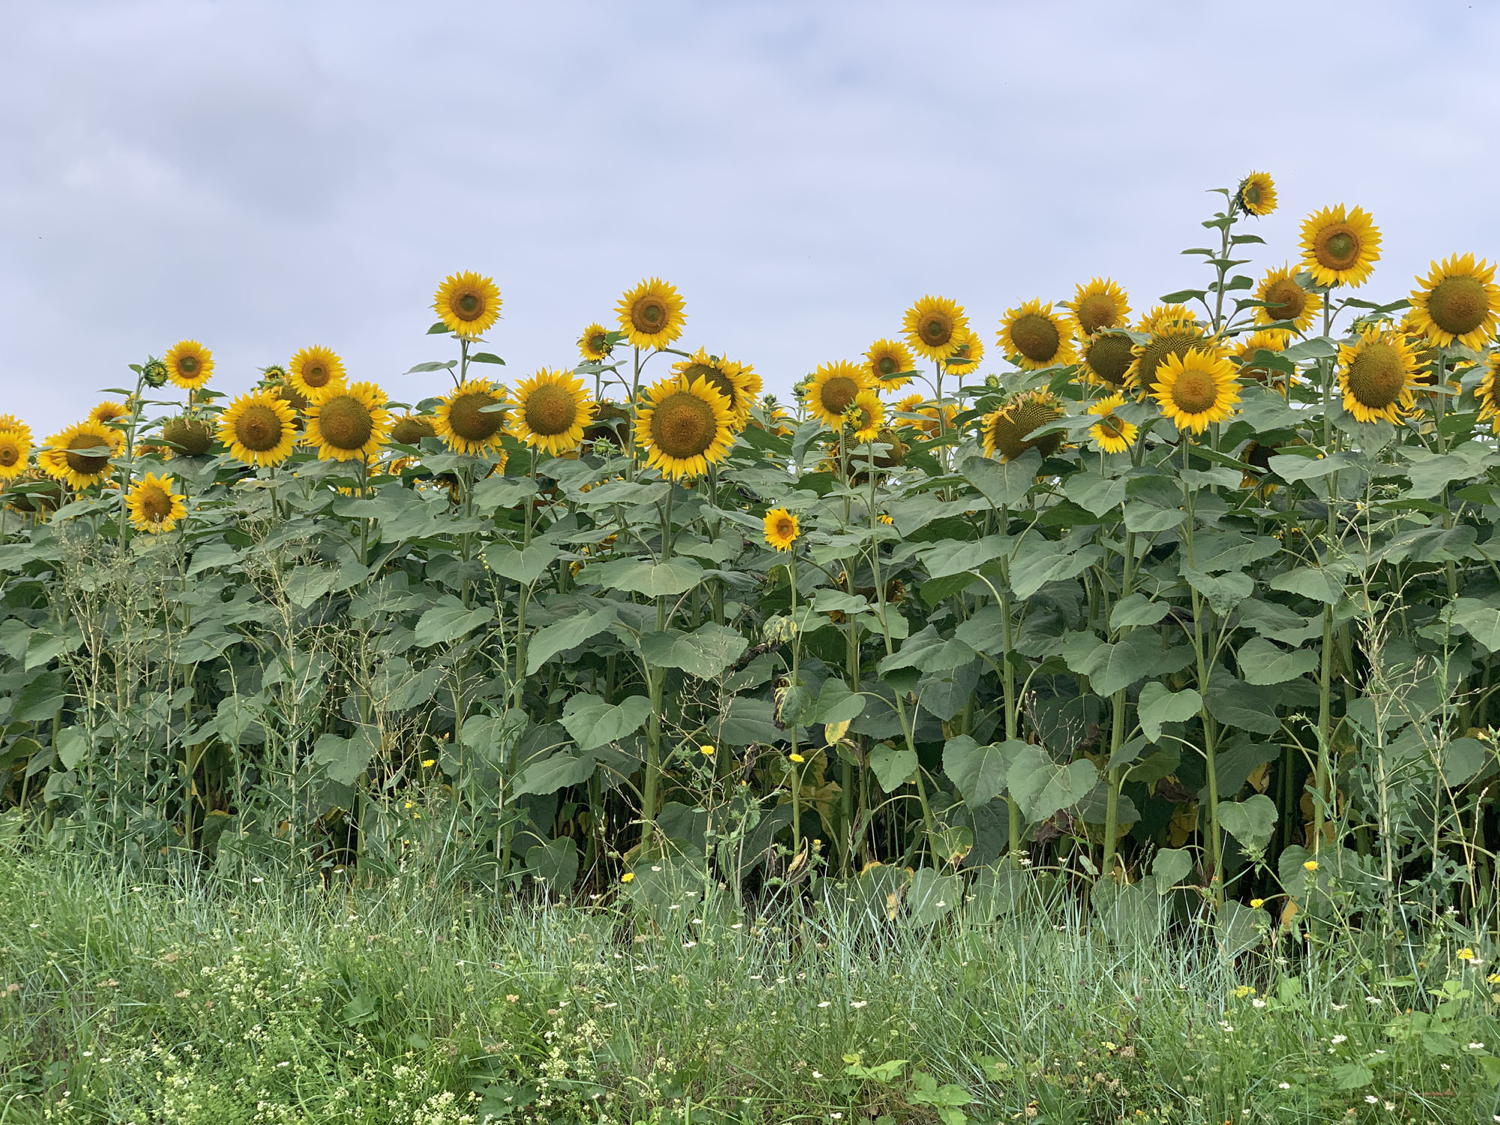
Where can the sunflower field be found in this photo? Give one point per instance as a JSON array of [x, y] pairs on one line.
[[1200, 600]]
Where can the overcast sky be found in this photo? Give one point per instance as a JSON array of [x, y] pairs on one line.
[[264, 176]]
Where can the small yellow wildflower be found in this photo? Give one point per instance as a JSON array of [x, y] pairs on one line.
[[1242, 991], [1465, 954], [428, 763], [1310, 865], [1257, 903], [885, 519], [627, 877], [798, 758], [706, 750]]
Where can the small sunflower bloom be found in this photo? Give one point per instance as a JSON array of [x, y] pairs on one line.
[[1310, 865], [153, 506], [781, 529], [1340, 247], [1256, 194], [1196, 389], [1111, 434], [651, 314], [1457, 302], [189, 364], [931, 324], [468, 304]]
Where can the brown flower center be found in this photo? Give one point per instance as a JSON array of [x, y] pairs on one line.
[[1194, 391], [1377, 376], [468, 305], [258, 428], [468, 419], [1008, 431], [1035, 337], [1285, 299], [550, 410], [316, 375], [87, 464], [10, 454], [1109, 357], [154, 504], [1458, 305], [887, 365], [715, 378], [345, 422], [1097, 311], [936, 330], [785, 527], [188, 364], [410, 430], [1152, 355], [838, 393], [1337, 247], [648, 315], [191, 435], [683, 425]]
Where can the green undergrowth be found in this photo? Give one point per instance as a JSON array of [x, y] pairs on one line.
[[159, 998]]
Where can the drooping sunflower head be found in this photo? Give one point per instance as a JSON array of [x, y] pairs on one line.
[[967, 353], [1256, 194], [1340, 247], [1283, 299], [596, 344], [273, 373], [1036, 336], [865, 416], [1111, 434], [1107, 358], [153, 506], [258, 428], [292, 397], [108, 411], [348, 422], [188, 434], [737, 382], [313, 369], [684, 426], [1266, 340], [189, 364], [781, 529], [1458, 302], [931, 324], [1007, 431], [1098, 305], [467, 303], [1196, 388], [833, 389], [1377, 374], [651, 314], [79, 455], [466, 419], [890, 363], [552, 411], [1174, 338], [409, 429], [15, 452], [11, 422]]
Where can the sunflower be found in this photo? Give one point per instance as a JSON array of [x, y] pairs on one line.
[[1340, 248], [189, 364], [468, 303], [1256, 194], [1458, 302], [348, 423], [1099, 304], [1107, 357], [1266, 340], [928, 417], [1283, 299], [595, 343], [312, 369], [910, 404], [409, 429], [1036, 336], [1166, 318], [552, 411], [1005, 430], [15, 450], [258, 428], [781, 529], [866, 416], [1487, 393], [153, 506], [651, 314], [274, 373], [188, 434], [833, 389], [931, 324], [107, 411], [1377, 373], [684, 426], [1111, 434], [1196, 388], [967, 354], [11, 422], [891, 363], [79, 455], [462, 419], [737, 382], [1172, 338]]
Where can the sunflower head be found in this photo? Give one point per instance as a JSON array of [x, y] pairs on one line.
[[108, 411], [967, 353], [865, 416], [890, 363], [79, 455], [833, 389], [188, 434], [153, 506], [596, 343], [781, 529], [1256, 194], [409, 429], [1036, 336], [931, 324], [467, 303], [15, 452], [1007, 431], [552, 411], [650, 315], [1111, 434], [1096, 306], [737, 382], [33, 493], [1107, 358], [258, 428], [1283, 299], [1196, 388], [11, 422], [348, 423], [154, 372], [611, 425], [684, 427], [313, 369], [189, 364], [1176, 338], [1266, 340], [1340, 247], [1458, 302], [1487, 393], [466, 419], [1377, 374]]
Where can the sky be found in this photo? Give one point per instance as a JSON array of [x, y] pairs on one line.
[[266, 176]]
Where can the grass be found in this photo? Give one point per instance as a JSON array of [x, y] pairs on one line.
[[161, 999]]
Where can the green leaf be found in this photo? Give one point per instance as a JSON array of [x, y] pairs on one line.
[[1144, 519], [1250, 821], [928, 651], [42, 648], [1462, 759], [485, 357], [555, 862], [592, 721], [39, 700], [1137, 609], [963, 556], [1170, 868], [1310, 582], [893, 767], [523, 566], [1481, 620], [1158, 706], [1042, 787], [549, 772], [835, 704], [1039, 561], [72, 746], [1238, 704], [306, 584], [432, 365], [1095, 494], [1261, 662], [345, 759], [1111, 667], [642, 576], [449, 621], [565, 634], [978, 771], [705, 653], [1002, 483]]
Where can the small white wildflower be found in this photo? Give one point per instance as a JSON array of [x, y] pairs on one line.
[[1337, 1039]]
